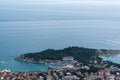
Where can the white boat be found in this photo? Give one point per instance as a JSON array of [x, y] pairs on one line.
[[6, 70]]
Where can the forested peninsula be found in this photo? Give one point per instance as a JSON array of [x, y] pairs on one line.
[[81, 54]]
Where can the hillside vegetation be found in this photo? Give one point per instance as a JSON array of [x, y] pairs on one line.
[[79, 53]]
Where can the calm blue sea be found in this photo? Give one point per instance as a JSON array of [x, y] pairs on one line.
[[32, 36]]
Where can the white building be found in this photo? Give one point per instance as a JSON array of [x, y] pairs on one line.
[[70, 78], [67, 58]]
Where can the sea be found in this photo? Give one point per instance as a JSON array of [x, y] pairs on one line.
[[22, 37]]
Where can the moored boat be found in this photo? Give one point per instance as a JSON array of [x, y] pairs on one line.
[[6, 70]]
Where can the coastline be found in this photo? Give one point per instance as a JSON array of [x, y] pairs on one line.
[[96, 56]]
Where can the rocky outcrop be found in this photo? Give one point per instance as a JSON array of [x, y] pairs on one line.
[[25, 59], [28, 59]]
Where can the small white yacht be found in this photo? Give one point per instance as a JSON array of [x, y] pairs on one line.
[[6, 70]]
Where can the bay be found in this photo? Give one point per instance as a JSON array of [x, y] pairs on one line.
[[32, 36]]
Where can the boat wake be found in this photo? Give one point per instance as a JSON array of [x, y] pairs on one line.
[[114, 43]]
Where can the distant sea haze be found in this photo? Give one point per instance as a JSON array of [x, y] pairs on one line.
[[46, 10], [32, 36]]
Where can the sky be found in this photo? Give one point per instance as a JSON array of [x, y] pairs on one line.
[[40, 10], [88, 2]]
